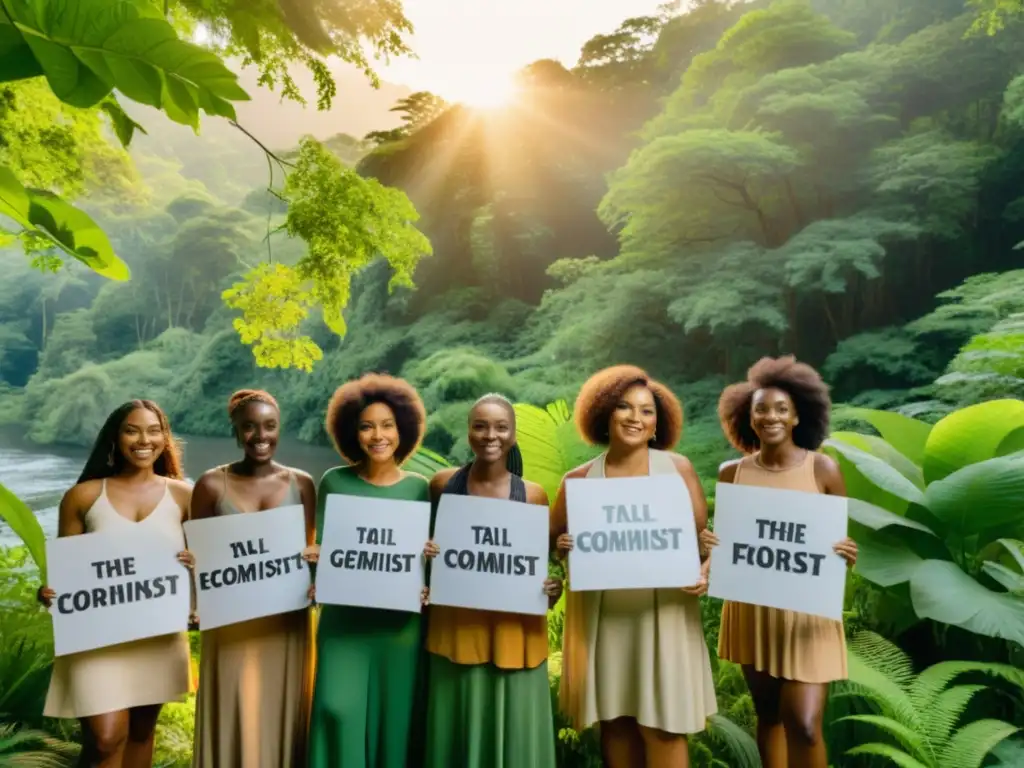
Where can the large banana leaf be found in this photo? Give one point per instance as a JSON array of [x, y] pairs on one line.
[[880, 474], [981, 498], [971, 435], [23, 522], [88, 48], [426, 462], [908, 436], [546, 457]]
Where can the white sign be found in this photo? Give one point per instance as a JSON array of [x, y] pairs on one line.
[[631, 533], [775, 549], [494, 555], [113, 588], [371, 552], [249, 565]]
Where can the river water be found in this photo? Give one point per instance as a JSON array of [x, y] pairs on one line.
[[39, 475]]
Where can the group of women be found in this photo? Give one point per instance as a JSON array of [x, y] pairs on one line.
[[350, 687]]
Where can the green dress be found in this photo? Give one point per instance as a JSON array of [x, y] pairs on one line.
[[368, 683]]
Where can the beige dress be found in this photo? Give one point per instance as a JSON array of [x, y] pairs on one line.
[[255, 684], [140, 673], [785, 644], [636, 653]]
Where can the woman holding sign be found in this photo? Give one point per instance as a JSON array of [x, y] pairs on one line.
[[635, 660], [779, 418], [257, 676], [490, 701], [368, 660], [132, 477]]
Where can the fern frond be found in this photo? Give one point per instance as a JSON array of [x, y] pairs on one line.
[[741, 745], [932, 680], [943, 715], [970, 745], [901, 758], [892, 699], [915, 743]]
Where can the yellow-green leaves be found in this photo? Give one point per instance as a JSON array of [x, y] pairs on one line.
[[347, 222], [68, 228], [88, 48]]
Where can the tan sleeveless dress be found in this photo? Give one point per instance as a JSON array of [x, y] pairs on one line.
[[140, 673], [636, 653], [255, 684], [784, 644]]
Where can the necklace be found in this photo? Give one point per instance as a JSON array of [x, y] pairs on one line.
[[758, 462]]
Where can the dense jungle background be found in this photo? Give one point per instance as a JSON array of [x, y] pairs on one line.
[[836, 179]]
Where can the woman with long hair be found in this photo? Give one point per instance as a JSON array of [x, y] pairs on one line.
[[368, 659], [778, 418], [132, 476], [635, 660], [253, 704], [489, 700]]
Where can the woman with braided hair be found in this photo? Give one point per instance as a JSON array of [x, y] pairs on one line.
[[252, 708], [778, 418], [489, 701]]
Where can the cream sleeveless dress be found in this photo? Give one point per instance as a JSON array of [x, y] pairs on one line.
[[255, 683], [784, 644], [636, 653], [140, 673]]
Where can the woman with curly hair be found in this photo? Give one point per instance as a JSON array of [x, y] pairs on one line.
[[133, 475], [368, 660], [489, 699], [779, 418], [635, 660], [237, 722]]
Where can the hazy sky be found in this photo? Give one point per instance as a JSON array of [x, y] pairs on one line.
[[464, 44]]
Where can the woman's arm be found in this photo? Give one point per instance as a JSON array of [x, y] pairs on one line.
[[70, 522]]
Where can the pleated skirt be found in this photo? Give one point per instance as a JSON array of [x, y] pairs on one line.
[[784, 644]]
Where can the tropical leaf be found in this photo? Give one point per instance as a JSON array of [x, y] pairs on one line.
[[65, 226], [27, 748], [942, 592], [881, 449], [123, 125], [980, 498], [972, 743], [741, 745], [898, 756], [426, 462], [878, 472], [23, 522], [905, 434], [545, 457], [1010, 581], [88, 48], [883, 560], [943, 713], [910, 739], [970, 435], [883, 673], [876, 518]]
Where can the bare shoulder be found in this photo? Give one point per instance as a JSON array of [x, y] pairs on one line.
[[441, 478], [682, 464], [181, 490], [304, 480], [535, 494], [825, 465], [727, 470], [580, 471], [83, 495]]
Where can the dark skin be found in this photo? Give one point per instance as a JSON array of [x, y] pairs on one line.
[[491, 437], [256, 483], [789, 713], [379, 438], [624, 742], [123, 739]]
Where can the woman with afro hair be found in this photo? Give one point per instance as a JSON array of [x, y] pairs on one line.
[[634, 660], [367, 688], [779, 418], [237, 723]]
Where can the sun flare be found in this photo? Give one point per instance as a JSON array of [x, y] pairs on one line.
[[483, 91]]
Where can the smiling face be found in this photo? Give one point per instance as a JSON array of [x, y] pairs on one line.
[[257, 426], [378, 433], [141, 438], [491, 434], [773, 416], [635, 418]]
